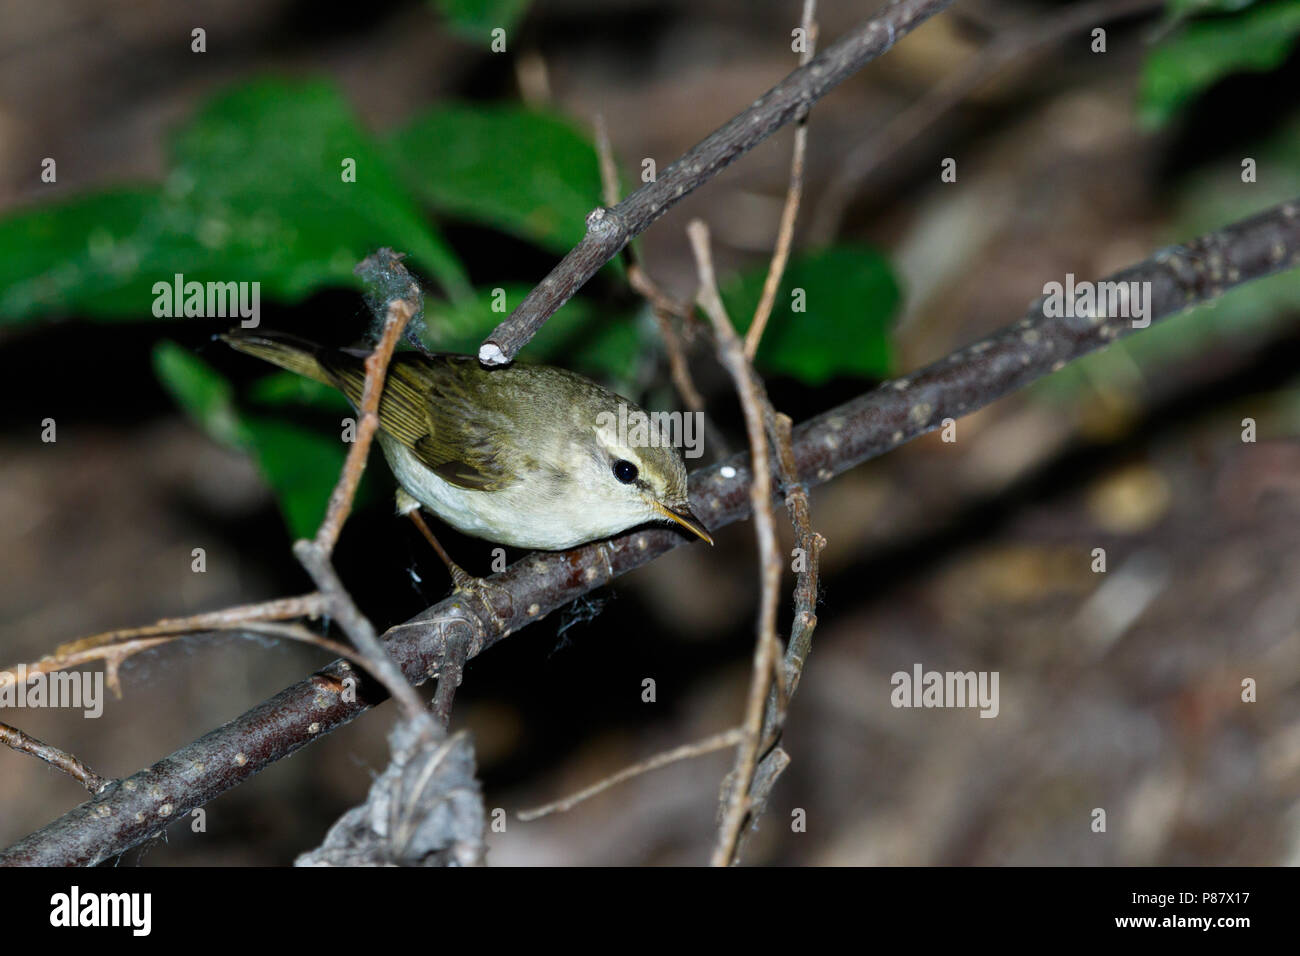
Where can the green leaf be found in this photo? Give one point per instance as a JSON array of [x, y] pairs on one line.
[[300, 465], [1205, 51], [202, 392], [529, 173], [475, 19], [850, 297], [256, 194], [578, 336], [286, 388]]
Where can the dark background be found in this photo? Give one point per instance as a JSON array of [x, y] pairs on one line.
[[967, 556]]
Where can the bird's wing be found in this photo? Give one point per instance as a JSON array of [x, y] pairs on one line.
[[431, 406]]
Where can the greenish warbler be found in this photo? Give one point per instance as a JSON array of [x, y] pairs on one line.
[[520, 455]]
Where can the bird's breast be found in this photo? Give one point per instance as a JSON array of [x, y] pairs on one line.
[[517, 515]]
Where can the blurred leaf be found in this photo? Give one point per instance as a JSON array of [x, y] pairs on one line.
[[578, 336], [286, 388], [255, 194], [475, 19], [299, 464], [201, 392], [528, 173], [1203, 52], [850, 297]]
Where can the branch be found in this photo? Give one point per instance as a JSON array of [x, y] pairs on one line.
[[881, 144], [70, 764], [790, 211], [790, 671], [404, 301], [728, 738], [662, 306], [114, 647], [609, 230], [767, 648], [833, 442]]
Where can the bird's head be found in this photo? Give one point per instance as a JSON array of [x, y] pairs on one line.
[[632, 472]]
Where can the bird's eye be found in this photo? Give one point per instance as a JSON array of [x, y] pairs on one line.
[[625, 471]]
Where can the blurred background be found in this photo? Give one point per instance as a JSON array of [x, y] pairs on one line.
[[1119, 690]]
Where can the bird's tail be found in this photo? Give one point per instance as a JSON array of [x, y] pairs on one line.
[[282, 350]]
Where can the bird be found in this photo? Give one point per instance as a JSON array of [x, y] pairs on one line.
[[524, 455]]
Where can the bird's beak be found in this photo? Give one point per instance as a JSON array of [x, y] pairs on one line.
[[685, 518]]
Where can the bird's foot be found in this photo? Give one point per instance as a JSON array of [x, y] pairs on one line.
[[489, 595]]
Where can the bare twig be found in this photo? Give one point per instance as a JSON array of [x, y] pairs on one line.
[[810, 544], [400, 311], [790, 670], [358, 628], [450, 674], [699, 748], [767, 648], [70, 764], [752, 779], [609, 230], [881, 144], [114, 647], [650, 290], [837, 440], [609, 188], [790, 211], [662, 306], [314, 555]]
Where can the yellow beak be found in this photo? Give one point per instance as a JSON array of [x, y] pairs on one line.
[[685, 518]]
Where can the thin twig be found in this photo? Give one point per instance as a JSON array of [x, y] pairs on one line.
[[400, 312], [790, 211], [450, 674], [359, 629], [115, 647], [880, 145], [839, 439], [314, 555], [810, 543], [699, 748], [609, 188], [70, 764], [663, 307], [779, 684], [767, 648], [609, 230], [659, 300], [790, 670]]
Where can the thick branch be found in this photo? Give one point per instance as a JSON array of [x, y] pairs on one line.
[[609, 230], [831, 443]]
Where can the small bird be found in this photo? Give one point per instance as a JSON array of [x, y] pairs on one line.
[[520, 455]]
